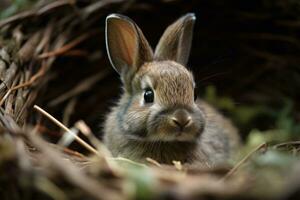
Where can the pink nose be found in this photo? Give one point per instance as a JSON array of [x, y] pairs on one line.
[[181, 118]]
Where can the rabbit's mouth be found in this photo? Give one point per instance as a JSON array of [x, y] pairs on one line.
[[174, 136], [165, 136]]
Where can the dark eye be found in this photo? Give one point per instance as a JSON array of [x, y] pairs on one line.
[[149, 96], [195, 95]]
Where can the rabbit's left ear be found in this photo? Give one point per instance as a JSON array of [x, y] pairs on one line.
[[126, 45], [176, 42]]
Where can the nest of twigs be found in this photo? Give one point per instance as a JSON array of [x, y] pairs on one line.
[[53, 55]]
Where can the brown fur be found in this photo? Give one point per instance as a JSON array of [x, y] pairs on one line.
[[174, 126]]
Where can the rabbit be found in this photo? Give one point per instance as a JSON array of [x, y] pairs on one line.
[[158, 114]]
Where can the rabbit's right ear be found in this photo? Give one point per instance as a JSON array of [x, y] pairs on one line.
[[175, 44], [126, 45]]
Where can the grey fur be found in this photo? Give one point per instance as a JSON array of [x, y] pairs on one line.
[[135, 129]]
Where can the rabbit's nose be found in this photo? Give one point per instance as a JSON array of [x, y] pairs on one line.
[[181, 118]]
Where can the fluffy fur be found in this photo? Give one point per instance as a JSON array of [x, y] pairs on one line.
[[174, 126]]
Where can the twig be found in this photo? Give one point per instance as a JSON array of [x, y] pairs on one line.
[[55, 5], [76, 53], [32, 13], [286, 143], [246, 158], [72, 173], [66, 47], [72, 152], [31, 80], [26, 84], [5, 97], [154, 162], [9, 91], [45, 130], [83, 127], [78, 139], [127, 161]]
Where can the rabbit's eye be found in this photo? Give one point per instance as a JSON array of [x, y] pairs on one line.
[[149, 96]]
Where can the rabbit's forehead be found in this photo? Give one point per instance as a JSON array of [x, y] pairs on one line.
[[165, 70], [171, 81]]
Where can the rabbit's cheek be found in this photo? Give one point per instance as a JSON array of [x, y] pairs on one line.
[[135, 119], [154, 125]]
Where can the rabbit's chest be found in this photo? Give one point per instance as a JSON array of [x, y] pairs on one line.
[[163, 152]]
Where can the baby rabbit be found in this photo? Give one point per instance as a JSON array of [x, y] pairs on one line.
[[158, 115]]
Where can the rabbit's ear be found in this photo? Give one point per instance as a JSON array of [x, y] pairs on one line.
[[126, 45], [175, 44]]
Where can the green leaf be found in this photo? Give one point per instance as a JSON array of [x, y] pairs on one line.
[[141, 181], [275, 159]]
